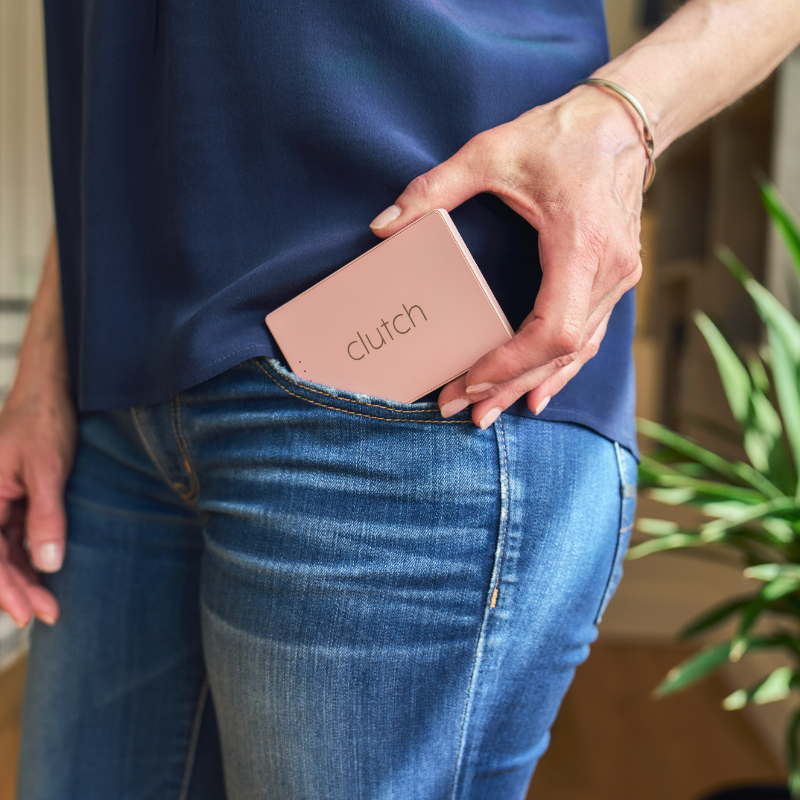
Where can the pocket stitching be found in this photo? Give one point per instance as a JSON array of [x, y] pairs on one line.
[[177, 485], [356, 413], [496, 590], [348, 400], [190, 496]]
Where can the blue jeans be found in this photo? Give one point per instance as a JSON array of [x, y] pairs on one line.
[[276, 590]]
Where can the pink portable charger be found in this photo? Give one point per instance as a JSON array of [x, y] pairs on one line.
[[406, 317]]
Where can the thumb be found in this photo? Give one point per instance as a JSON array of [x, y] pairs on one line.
[[45, 521], [445, 186]]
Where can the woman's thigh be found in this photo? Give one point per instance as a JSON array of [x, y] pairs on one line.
[[116, 699], [393, 605]]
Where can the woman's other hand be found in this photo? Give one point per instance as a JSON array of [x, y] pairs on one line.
[[38, 434], [37, 445]]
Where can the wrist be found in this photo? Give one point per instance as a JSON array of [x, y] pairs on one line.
[[40, 377], [610, 118]]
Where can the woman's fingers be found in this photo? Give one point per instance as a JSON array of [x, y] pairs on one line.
[[540, 396], [13, 598], [46, 523], [45, 606], [540, 385], [445, 186]]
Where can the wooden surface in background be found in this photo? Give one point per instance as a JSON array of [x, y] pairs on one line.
[[610, 742], [613, 741], [12, 682]]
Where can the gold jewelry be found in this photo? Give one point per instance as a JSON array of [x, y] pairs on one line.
[[649, 142]]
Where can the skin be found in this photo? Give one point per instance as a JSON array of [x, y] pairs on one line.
[[38, 433], [572, 168]]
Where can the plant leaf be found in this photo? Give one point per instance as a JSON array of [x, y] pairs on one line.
[[673, 497], [784, 223], [695, 668], [656, 527], [780, 587], [784, 373], [783, 331], [779, 529], [769, 572], [760, 422], [770, 309], [729, 469], [713, 531], [748, 618], [710, 619], [673, 541], [733, 374], [776, 686]]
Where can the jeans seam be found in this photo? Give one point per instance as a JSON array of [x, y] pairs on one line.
[[505, 508], [505, 488], [358, 402], [623, 472], [178, 487], [194, 736], [358, 414], [191, 493]]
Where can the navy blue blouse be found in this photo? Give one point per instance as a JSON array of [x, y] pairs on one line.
[[213, 159]]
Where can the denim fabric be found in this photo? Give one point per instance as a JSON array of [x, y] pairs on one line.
[[320, 595]]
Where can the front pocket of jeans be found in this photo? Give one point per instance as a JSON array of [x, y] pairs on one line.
[[352, 402]]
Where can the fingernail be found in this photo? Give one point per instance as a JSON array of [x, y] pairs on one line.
[[385, 217], [453, 407], [489, 418], [479, 387], [49, 557], [47, 619], [542, 406]]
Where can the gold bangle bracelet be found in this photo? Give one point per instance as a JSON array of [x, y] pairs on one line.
[[649, 142]]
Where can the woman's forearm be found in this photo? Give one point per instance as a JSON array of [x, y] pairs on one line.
[[704, 57], [42, 365]]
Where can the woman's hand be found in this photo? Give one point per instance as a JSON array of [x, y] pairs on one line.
[[37, 445], [574, 170], [38, 433]]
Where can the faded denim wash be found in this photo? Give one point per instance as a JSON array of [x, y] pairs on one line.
[[318, 595]]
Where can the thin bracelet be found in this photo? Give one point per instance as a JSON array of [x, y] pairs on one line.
[[649, 142]]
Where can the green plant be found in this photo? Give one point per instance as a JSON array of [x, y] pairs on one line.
[[751, 507]]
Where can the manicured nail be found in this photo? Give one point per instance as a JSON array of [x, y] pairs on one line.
[[49, 557], [47, 619], [489, 417], [479, 387], [542, 406], [453, 407], [385, 217]]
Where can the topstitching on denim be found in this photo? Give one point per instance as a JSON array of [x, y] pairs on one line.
[[627, 501], [505, 489], [366, 404], [177, 430], [184, 491]]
